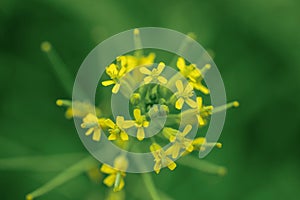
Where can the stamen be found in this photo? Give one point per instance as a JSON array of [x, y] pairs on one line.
[[60, 69]]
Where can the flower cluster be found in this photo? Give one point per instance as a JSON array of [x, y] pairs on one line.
[[151, 100]]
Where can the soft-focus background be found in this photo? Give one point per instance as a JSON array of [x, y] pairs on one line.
[[256, 46]]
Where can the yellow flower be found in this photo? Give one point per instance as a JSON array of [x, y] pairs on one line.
[[194, 75], [117, 129], [187, 70], [161, 159], [180, 142], [91, 122], [184, 95], [140, 124], [196, 83], [130, 62], [115, 72], [154, 75], [116, 174], [125, 64], [203, 112], [78, 109]]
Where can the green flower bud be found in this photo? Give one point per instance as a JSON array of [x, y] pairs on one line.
[[135, 99]]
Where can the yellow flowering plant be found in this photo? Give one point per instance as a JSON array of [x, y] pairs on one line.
[[150, 100]]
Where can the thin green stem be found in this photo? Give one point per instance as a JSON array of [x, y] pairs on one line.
[[184, 45], [202, 165], [59, 67], [150, 186], [137, 43], [38, 163], [71, 172], [233, 104]]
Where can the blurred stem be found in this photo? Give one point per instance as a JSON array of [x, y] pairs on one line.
[[71, 172], [184, 45], [150, 186], [137, 43], [59, 67], [202, 165], [38, 163]]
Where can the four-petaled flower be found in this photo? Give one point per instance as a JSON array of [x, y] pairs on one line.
[[184, 95], [91, 122], [187, 70], [116, 174], [161, 158], [194, 75], [140, 124], [117, 129], [115, 72], [180, 142], [154, 75]]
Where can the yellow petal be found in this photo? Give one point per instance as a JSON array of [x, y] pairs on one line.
[[112, 137], [69, 113], [172, 138], [140, 133], [160, 67], [145, 70], [180, 64], [148, 59], [162, 80], [179, 103], [110, 180], [157, 167], [89, 131], [148, 79], [188, 89], [201, 88], [199, 141], [124, 136], [191, 103], [121, 72], [111, 70], [190, 148], [200, 120], [108, 82], [107, 169], [172, 166], [90, 118], [97, 134], [175, 150], [137, 114], [199, 102], [154, 147], [146, 124], [179, 86], [187, 129], [116, 88], [121, 123], [109, 123]]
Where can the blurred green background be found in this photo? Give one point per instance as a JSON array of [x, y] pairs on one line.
[[256, 46]]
